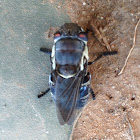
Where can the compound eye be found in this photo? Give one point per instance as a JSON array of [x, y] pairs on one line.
[[57, 36], [83, 36]]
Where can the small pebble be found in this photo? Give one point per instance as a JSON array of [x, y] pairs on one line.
[[133, 19], [113, 86], [133, 97], [102, 110], [84, 3]]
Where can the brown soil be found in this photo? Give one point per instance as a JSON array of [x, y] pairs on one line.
[[115, 114]]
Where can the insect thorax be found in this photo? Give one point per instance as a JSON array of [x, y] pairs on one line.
[[69, 56]]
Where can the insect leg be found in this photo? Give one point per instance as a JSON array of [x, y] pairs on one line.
[[45, 50], [88, 30], [101, 55], [92, 93], [43, 93]]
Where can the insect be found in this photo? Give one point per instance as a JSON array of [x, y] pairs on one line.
[[69, 80]]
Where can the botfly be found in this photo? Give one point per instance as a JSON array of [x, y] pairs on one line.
[[69, 80]]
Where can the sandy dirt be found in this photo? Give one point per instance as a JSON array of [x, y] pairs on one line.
[[115, 114]]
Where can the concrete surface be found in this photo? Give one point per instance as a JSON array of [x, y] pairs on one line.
[[24, 71]]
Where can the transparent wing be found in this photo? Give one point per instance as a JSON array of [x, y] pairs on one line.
[[67, 93]]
